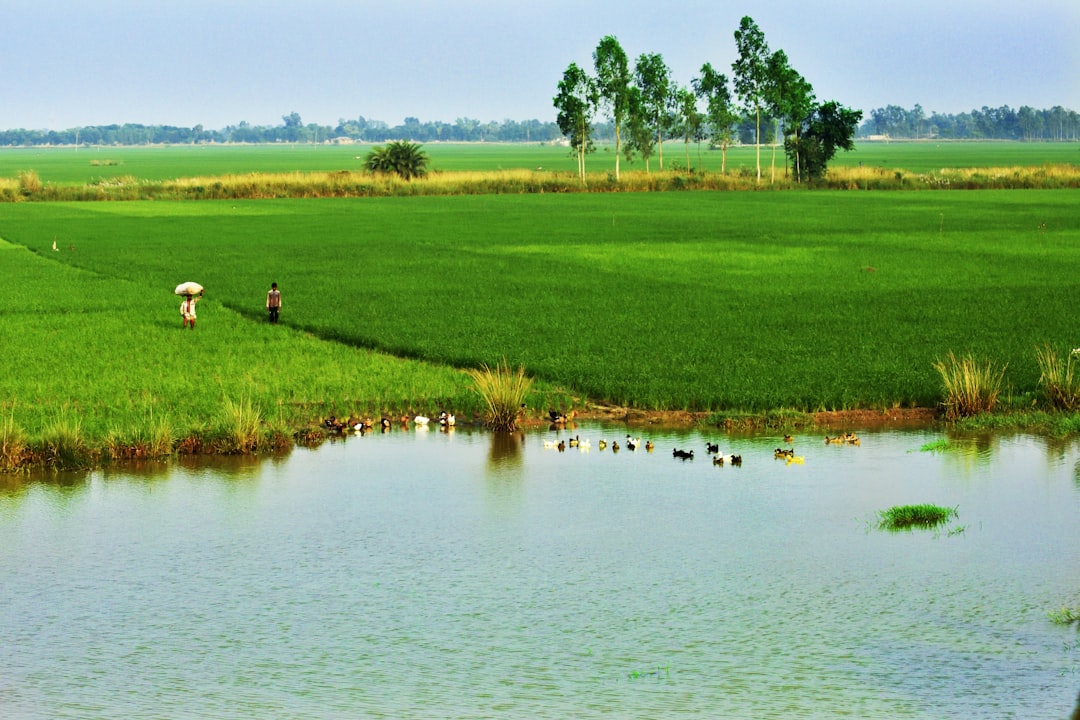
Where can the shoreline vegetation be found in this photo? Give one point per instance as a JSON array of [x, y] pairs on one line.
[[973, 396]]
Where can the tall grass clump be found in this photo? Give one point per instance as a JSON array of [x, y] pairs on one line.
[[970, 387], [241, 427], [906, 517], [29, 183], [13, 445], [63, 444], [503, 391], [155, 440], [1058, 378]]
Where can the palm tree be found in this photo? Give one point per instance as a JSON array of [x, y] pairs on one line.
[[400, 157]]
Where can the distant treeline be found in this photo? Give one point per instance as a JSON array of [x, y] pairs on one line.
[[1003, 123], [1056, 124], [292, 130]]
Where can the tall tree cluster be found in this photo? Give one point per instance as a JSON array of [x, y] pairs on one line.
[[645, 106]]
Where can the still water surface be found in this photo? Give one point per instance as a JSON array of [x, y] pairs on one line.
[[432, 575]]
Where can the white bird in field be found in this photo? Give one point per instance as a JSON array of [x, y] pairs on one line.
[[54, 245]]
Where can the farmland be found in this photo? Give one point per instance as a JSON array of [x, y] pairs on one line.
[[700, 301]]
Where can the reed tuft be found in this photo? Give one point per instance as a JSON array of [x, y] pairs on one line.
[[906, 517], [970, 387], [63, 445], [13, 446], [241, 427], [1058, 378], [503, 391]]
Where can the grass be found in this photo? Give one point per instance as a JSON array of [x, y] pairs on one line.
[[1066, 616], [707, 301], [93, 164], [504, 392], [907, 517], [971, 386], [1058, 379]]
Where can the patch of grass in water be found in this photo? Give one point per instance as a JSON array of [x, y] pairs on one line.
[[1066, 616], [908, 517], [939, 445]]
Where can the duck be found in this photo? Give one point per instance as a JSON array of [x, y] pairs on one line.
[[574, 441], [385, 423], [602, 444], [632, 443], [549, 444], [683, 454], [735, 460], [649, 447], [784, 452], [560, 418], [788, 439], [614, 446], [562, 446], [446, 419], [718, 459], [796, 459], [421, 420], [712, 447], [584, 445]]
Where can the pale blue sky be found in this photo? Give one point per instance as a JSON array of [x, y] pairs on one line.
[[68, 63]]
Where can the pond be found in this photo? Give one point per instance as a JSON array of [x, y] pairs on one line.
[[464, 574]]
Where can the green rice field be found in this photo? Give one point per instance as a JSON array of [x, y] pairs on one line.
[[90, 164], [735, 301]]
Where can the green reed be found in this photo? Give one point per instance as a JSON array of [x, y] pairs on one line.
[[971, 386], [504, 392], [906, 517]]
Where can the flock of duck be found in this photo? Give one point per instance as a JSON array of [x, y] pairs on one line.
[[362, 425], [712, 449]]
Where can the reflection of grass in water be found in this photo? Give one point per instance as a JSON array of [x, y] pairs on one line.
[[907, 517]]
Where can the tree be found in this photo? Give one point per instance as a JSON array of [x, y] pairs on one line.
[[752, 75], [712, 87], [401, 158], [652, 76], [790, 98], [613, 85], [690, 120], [830, 127], [576, 103]]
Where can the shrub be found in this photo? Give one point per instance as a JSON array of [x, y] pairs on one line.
[[29, 183], [1058, 379], [970, 387], [503, 392]]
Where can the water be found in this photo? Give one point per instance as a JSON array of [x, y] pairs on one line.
[[422, 575]]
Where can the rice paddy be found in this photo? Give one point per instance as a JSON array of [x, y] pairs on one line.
[[706, 301]]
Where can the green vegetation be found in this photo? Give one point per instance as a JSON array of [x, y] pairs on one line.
[[971, 386], [401, 158], [1066, 616], [907, 517], [1058, 378], [735, 304], [939, 445], [504, 392]]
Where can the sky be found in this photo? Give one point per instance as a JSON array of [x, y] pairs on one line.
[[215, 63]]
